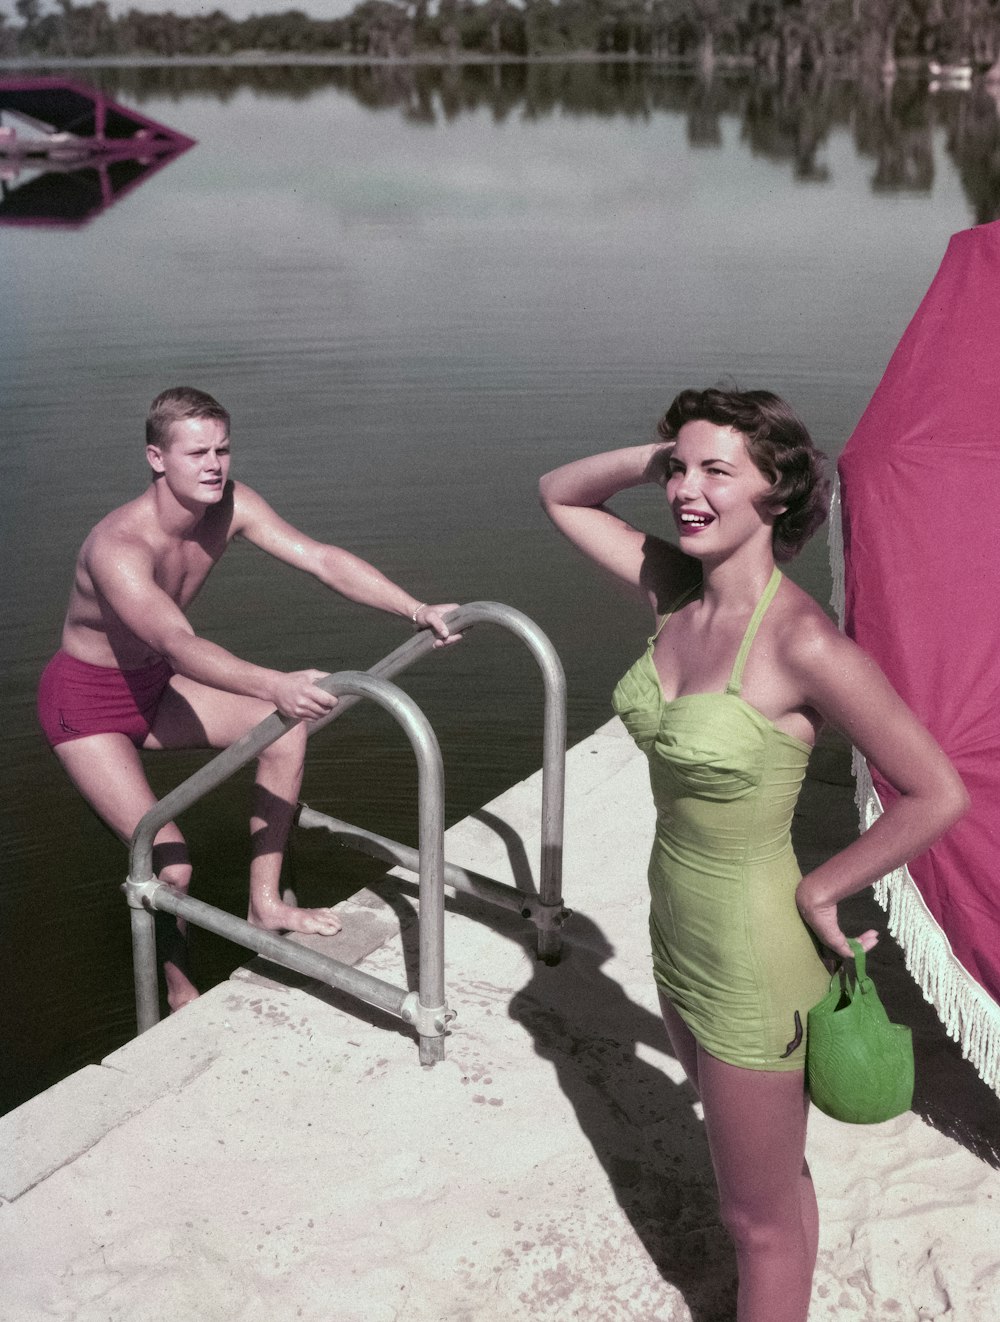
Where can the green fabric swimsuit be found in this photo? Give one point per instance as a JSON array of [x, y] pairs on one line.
[[730, 950]]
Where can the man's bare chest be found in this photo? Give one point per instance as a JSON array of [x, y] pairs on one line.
[[181, 569]]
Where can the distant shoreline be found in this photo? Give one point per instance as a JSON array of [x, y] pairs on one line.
[[278, 57], [723, 65]]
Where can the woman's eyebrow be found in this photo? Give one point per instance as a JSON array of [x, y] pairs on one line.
[[703, 463]]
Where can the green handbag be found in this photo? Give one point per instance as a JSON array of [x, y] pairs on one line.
[[859, 1065]]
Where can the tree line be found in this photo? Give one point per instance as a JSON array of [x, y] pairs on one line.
[[844, 36]]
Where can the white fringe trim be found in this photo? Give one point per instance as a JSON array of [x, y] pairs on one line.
[[969, 1014], [835, 542]]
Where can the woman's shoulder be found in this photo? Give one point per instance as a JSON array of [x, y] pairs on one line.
[[667, 574], [806, 634]]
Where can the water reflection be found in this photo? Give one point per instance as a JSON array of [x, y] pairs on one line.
[[77, 150], [974, 143], [786, 119], [781, 123], [68, 196]]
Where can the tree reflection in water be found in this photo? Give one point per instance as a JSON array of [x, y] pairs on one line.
[[785, 117]]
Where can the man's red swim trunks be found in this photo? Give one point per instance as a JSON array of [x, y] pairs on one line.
[[76, 699]]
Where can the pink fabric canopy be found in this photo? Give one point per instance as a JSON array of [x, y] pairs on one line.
[[920, 497]]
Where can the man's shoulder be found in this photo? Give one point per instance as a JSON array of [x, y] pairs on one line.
[[244, 496], [249, 508], [124, 528]]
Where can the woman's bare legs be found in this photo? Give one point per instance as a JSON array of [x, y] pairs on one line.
[[755, 1121], [756, 1126], [682, 1040]]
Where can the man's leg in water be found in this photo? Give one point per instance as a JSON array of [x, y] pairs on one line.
[[107, 771], [191, 715]]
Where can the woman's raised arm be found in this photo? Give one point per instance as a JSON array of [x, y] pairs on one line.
[[573, 497]]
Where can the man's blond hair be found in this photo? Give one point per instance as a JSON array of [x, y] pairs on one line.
[[177, 404]]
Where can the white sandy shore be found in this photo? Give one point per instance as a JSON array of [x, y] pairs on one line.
[[277, 1153]]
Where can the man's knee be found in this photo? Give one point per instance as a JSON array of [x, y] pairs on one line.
[[289, 750], [171, 864]]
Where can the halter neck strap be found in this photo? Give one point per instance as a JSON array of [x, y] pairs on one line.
[[675, 605], [766, 597]]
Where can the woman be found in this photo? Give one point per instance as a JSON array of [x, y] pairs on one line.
[[742, 670]]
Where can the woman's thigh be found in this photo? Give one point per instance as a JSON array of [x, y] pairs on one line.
[[756, 1126], [682, 1040]]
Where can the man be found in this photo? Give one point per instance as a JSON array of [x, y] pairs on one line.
[[132, 673]]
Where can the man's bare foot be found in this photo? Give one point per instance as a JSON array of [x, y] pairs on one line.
[[277, 916], [181, 990]]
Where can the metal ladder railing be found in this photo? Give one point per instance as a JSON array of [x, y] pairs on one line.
[[425, 1009]]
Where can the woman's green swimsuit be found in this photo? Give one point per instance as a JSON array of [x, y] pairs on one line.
[[730, 950]]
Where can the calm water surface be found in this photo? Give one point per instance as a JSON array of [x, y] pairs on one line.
[[416, 290]]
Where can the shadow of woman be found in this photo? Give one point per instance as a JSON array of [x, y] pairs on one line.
[[643, 1126]]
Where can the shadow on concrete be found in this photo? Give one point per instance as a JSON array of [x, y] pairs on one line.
[[642, 1126], [517, 855]]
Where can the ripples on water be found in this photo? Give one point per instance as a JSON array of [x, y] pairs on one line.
[[417, 289]]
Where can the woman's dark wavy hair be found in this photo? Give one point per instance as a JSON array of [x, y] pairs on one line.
[[779, 445]]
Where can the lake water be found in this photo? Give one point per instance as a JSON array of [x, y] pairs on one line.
[[416, 289]]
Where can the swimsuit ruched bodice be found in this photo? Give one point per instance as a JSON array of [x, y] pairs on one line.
[[729, 948], [713, 745]]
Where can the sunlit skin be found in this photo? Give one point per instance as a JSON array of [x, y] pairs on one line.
[[800, 672], [136, 574], [195, 465], [717, 494]]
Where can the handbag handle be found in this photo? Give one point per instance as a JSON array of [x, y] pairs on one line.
[[859, 958]]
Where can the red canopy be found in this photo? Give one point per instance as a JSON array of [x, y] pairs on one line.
[[920, 496]]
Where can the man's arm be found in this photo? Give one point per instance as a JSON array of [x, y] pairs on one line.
[[345, 573], [122, 573]]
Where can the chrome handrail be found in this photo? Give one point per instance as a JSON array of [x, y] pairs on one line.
[[546, 909], [427, 1010]]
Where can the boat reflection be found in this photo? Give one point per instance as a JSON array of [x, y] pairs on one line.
[[68, 152]]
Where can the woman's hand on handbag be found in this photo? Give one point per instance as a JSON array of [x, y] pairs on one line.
[[821, 916]]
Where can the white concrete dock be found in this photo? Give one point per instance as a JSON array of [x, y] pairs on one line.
[[276, 1152]]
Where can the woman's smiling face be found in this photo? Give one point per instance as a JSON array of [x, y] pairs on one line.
[[717, 494]]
